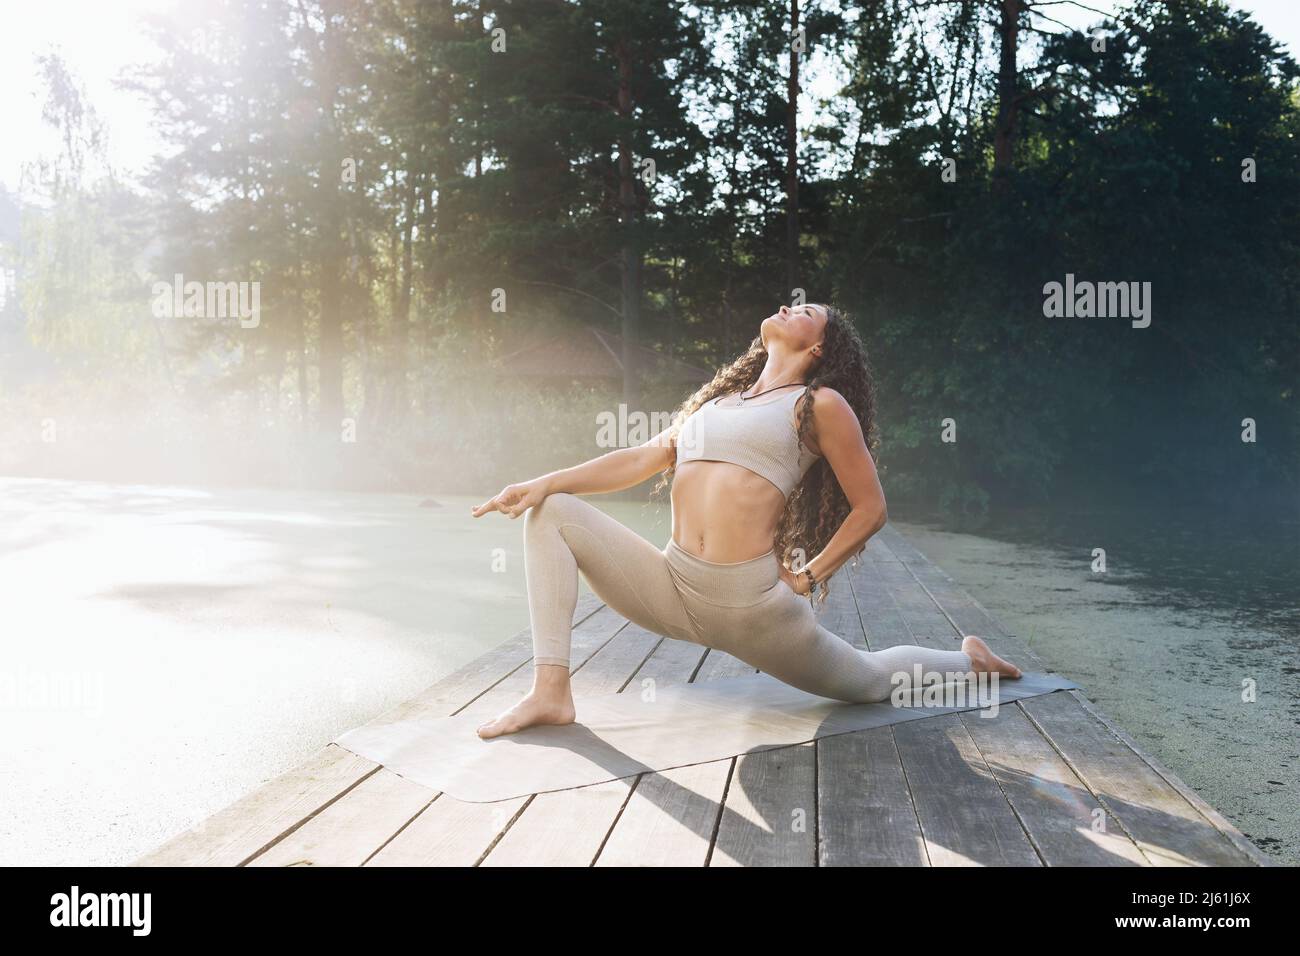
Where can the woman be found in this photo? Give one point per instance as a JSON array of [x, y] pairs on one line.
[[756, 482]]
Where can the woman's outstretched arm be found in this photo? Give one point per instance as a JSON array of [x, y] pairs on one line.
[[612, 471]]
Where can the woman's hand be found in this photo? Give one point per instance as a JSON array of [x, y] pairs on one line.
[[798, 582], [514, 500]]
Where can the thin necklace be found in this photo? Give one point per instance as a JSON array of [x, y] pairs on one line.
[[743, 396]]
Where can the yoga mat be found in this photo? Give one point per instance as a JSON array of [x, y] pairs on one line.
[[640, 730]]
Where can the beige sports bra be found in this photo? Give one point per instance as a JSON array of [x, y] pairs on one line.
[[759, 436]]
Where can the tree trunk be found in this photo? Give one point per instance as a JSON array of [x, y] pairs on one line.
[[792, 158], [631, 255], [331, 343], [329, 257], [402, 333], [439, 223], [304, 396], [1004, 136]]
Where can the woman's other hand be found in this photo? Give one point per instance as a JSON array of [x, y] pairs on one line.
[[798, 581], [514, 500]]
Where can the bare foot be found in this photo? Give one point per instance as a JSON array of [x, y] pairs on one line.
[[547, 707], [984, 661]]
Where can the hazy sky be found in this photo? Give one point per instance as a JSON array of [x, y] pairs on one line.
[[99, 37]]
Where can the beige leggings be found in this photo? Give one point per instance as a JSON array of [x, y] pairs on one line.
[[744, 609]]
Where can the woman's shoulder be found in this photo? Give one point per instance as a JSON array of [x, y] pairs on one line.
[[824, 399], [831, 414]]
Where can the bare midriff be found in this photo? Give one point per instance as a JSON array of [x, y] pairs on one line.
[[724, 513]]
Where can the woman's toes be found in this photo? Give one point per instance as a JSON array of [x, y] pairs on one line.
[[527, 713], [984, 661], [492, 728]]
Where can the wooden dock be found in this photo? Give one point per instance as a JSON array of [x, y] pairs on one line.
[[1048, 782]]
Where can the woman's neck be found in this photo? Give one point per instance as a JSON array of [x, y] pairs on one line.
[[779, 369]]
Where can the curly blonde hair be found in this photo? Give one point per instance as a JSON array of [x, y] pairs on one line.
[[817, 506]]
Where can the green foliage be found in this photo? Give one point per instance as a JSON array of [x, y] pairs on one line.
[[480, 170]]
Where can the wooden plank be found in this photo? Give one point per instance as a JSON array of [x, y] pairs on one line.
[[865, 815], [252, 823], [344, 833], [564, 828], [1065, 821], [839, 613], [1166, 826], [957, 605], [881, 621], [658, 794], [561, 828], [452, 832], [969, 616], [1061, 831], [965, 817], [609, 669], [718, 664], [769, 813], [877, 550], [365, 835], [1224, 826], [672, 662], [568, 827], [1164, 817], [923, 618], [670, 819], [449, 832], [770, 810]]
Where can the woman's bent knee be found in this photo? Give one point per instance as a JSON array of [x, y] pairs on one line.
[[552, 508]]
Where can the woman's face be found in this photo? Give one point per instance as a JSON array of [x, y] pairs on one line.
[[798, 328]]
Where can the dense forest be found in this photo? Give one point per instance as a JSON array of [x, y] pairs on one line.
[[417, 188]]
